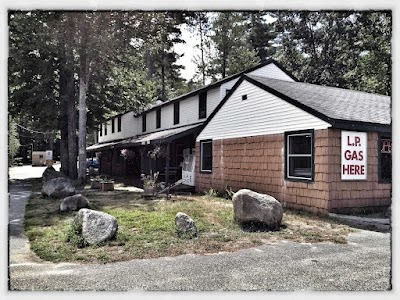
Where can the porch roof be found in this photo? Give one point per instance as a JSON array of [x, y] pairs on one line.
[[102, 146], [161, 137]]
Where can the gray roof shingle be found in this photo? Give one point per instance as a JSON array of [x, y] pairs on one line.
[[334, 103]]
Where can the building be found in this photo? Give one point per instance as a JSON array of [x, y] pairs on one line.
[[172, 126], [318, 148]]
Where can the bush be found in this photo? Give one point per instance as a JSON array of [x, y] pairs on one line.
[[74, 235]]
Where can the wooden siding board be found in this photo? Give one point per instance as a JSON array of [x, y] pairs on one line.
[[261, 114]]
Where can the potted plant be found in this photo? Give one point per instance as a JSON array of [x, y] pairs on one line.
[[107, 184], [150, 183], [95, 182]]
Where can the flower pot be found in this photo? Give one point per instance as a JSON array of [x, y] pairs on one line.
[[107, 186], [95, 184], [149, 191]]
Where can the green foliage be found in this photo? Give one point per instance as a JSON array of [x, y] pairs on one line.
[[147, 229], [13, 140], [211, 193], [233, 53], [74, 235], [226, 193], [344, 49]]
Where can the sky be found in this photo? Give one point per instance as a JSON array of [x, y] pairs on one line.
[[188, 50]]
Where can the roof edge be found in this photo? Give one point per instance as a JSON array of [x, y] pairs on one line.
[[290, 100], [220, 82]]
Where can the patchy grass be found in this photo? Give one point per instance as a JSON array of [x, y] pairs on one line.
[[146, 228]]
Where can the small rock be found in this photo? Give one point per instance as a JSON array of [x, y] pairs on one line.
[[185, 225], [58, 187], [97, 227], [74, 202]]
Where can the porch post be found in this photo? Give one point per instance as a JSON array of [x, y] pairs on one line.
[[167, 168]]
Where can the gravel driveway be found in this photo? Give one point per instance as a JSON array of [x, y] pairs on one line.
[[364, 264]]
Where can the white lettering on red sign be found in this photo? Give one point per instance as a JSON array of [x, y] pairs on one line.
[[354, 155]]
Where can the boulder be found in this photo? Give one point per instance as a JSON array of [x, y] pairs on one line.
[[185, 225], [58, 187], [257, 211], [97, 226], [50, 173], [74, 202]]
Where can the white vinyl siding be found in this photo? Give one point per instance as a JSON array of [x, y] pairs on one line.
[[260, 114], [227, 86], [213, 99], [128, 128], [151, 121], [272, 71], [189, 109]]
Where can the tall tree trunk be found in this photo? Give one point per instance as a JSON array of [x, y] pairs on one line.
[[71, 106], [203, 66], [84, 74], [82, 128], [63, 119]]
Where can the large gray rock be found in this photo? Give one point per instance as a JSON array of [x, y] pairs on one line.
[[257, 211], [50, 173], [97, 226], [58, 187], [74, 202], [185, 226]]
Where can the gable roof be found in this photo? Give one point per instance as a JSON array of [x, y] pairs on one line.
[[219, 83], [342, 108]]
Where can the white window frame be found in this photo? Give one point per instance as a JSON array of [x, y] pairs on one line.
[[288, 155], [202, 153]]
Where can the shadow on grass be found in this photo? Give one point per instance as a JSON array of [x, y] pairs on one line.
[[260, 227]]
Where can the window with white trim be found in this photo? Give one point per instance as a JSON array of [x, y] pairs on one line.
[[206, 156], [385, 158], [300, 155]]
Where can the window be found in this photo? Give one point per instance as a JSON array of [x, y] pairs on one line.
[[385, 158], [206, 156], [203, 105], [300, 155], [176, 113], [119, 123], [227, 91], [112, 125], [158, 118], [101, 129], [244, 97], [143, 122], [105, 128]]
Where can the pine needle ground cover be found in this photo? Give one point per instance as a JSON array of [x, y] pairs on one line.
[[146, 228]]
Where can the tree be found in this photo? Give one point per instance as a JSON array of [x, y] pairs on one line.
[[90, 57], [337, 48], [13, 140], [232, 54], [199, 25], [261, 35]]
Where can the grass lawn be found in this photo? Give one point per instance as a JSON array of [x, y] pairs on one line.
[[146, 228]]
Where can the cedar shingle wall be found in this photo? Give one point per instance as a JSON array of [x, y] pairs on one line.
[[346, 194], [257, 163]]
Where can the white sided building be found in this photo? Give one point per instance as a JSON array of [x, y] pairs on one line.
[[173, 125], [312, 147]]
